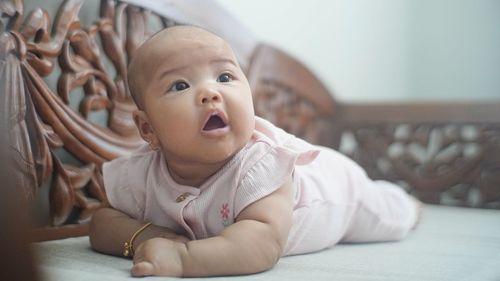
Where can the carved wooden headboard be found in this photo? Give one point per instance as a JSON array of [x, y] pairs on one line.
[[64, 95]]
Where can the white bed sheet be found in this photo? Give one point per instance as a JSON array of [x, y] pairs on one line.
[[450, 244]]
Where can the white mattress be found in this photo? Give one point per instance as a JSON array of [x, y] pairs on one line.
[[450, 244]]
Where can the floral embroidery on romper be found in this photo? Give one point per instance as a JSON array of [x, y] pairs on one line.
[[224, 212]]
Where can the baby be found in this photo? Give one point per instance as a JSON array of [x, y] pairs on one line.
[[224, 192]]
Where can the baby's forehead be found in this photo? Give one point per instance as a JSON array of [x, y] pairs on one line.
[[185, 45], [185, 35], [174, 43]]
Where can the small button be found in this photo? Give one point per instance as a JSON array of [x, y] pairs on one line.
[[182, 197]]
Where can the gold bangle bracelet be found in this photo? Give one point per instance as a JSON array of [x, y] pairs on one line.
[[128, 246]]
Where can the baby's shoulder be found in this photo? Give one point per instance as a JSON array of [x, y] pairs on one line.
[[264, 156], [256, 151], [130, 167]]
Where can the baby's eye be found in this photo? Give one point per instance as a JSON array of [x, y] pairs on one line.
[[179, 86], [224, 78]]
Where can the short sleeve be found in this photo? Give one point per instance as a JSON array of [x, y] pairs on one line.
[[264, 177], [125, 187]]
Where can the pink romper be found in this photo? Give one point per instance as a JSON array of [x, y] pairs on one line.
[[334, 200]]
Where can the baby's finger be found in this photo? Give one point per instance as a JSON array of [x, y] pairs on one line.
[[143, 268]]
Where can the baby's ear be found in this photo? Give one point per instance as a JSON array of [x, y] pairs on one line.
[[144, 126]]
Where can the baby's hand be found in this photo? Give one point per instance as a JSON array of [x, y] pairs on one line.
[[158, 256]]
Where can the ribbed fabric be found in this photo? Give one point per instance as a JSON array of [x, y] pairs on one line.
[[332, 193]]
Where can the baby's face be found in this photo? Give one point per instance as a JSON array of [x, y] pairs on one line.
[[197, 99]]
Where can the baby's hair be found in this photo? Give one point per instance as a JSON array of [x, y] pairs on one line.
[[132, 80]]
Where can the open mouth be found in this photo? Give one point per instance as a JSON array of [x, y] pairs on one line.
[[213, 123]]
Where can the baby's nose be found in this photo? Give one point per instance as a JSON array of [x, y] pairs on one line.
[[208, 95]]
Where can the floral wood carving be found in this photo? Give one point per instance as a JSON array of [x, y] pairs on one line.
[[449, 164], [288, 95], [42, 120], [285, 108]]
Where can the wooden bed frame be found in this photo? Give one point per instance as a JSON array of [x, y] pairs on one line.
[[61, 79]]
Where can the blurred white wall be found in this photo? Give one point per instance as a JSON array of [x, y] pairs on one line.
[[366, 50], [387, 49]]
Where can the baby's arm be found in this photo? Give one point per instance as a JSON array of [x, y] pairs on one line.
[[254, 243], [110, 228]]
